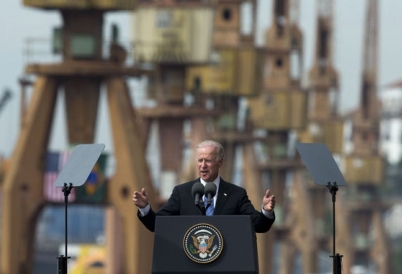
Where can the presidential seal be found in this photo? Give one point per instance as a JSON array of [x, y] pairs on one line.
[[203, 243]]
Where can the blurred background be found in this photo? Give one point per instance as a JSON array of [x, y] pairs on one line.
[[152, 78]]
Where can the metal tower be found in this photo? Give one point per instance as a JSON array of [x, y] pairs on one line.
[[278, 110], [364, 167], [80, 74]]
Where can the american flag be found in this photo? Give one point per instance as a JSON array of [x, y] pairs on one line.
[[55, 162]]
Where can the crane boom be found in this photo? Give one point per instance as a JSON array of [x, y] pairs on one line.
[[5, 97]]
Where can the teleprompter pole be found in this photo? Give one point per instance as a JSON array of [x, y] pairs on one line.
[[76, 171], [337, 259], [63, 259], [324, 170]]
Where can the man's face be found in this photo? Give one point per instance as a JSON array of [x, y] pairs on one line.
[[208, 164]]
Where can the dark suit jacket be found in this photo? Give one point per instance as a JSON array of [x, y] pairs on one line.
[[232, 200]]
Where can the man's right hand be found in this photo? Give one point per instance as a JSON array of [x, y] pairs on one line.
[[140, 198]]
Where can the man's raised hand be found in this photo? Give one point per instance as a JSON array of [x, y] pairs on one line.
[[140, 198], [268, 201]]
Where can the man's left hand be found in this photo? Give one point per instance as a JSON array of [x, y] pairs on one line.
[[268, 201]]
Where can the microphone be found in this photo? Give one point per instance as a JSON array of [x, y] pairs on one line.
[[197, 191], [210, 191]]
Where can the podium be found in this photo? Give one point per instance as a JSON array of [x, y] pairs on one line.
[[204, 244]]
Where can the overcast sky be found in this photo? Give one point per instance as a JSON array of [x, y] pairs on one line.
[[17, 23]]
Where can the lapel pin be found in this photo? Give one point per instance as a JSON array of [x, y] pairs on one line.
[[224, 194]]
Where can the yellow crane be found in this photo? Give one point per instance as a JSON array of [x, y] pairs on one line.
[[364, 167], [80, 74]]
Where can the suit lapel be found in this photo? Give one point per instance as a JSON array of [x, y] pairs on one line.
[[222, 197]]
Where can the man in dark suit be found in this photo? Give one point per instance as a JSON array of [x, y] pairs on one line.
[[230, 199]]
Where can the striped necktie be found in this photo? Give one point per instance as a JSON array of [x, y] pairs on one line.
[[210, 209]]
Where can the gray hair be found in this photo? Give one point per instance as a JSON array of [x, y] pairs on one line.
[[218, 146]]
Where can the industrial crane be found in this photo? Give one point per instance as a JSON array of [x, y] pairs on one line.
[[365, 166], [82, 72], [4, 99]]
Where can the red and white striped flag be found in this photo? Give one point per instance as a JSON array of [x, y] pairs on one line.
[[55, 162]]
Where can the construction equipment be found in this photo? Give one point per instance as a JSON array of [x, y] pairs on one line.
[[364, 167], [81, 73], [196, 50], [4, 99]]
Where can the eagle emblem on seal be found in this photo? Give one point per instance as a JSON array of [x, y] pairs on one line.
[[203, 243]]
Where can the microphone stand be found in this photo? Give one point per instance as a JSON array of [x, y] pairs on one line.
[[201, 207]]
